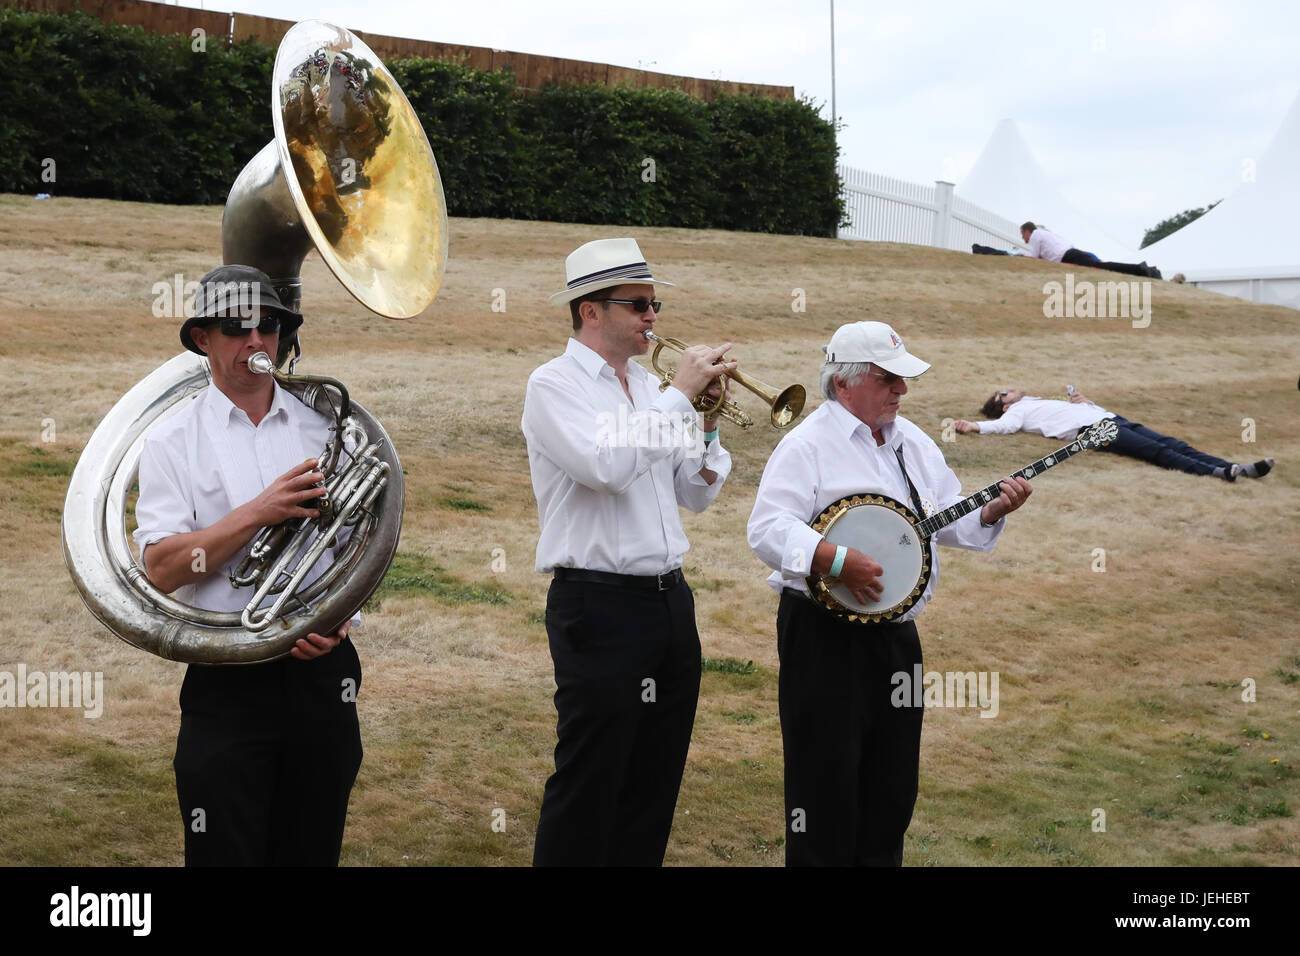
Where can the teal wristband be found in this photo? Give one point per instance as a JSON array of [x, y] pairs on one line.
[[837, 565], [711, 436]]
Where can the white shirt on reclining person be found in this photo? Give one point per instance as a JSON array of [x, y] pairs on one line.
[[1049, 417], [1048, 245]]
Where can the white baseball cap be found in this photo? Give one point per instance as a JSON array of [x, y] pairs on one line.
[[873, 342]]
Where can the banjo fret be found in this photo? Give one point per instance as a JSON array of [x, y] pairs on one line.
[[942, 519]]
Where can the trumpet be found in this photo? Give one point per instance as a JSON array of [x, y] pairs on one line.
[[786, 405]]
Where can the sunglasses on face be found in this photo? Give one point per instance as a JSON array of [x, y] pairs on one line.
[[639, 304], [887, 378], [237, 327]]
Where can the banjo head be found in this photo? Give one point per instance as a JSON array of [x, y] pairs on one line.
[[884, 530]]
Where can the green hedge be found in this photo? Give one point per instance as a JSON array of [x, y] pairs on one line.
[[130, 115]]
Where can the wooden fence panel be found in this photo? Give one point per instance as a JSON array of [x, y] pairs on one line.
[[533, 71]]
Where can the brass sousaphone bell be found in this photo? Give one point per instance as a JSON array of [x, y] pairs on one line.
[[350, 174], [359, 185]]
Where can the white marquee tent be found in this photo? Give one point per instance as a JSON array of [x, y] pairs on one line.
[[1247, 245], [1008, 180]]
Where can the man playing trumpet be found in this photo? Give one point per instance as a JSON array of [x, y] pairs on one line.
[[620, 617]]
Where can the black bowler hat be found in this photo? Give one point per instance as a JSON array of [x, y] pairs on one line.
[[230, 291]]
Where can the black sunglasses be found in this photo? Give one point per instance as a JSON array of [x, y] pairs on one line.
[[237, 327], [639, 304]]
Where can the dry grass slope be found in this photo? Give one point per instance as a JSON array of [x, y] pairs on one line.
[[1120, 690]]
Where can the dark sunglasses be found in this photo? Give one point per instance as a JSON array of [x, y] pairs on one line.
[[639, 304], [237, 327]]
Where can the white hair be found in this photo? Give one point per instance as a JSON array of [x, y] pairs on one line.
[[849, 373]]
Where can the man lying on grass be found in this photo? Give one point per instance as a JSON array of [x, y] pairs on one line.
[[1011, 410]]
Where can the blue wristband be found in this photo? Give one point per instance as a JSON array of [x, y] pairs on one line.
[[711, 436], [837, 565]]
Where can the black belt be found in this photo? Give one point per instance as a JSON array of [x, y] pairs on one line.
[[796, 593], [650, 582]]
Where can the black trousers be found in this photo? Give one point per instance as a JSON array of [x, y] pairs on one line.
[[1135, 440], [627, 675], [851, 758], [1077, 257], [266, 758]]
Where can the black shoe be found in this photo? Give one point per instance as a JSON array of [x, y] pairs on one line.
[[1259, 469], [1154, 273], [1227, 474]]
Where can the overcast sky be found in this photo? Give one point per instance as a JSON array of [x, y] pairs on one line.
[[1137, 109]]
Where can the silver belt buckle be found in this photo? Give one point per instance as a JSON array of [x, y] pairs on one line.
[[661, 586]]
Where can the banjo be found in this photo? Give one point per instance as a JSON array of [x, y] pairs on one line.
[[897, 539]]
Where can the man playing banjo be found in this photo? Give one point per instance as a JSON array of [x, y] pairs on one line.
[[851, 758]]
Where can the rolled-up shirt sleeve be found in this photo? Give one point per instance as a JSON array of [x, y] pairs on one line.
[[778, 530], [164, 506]]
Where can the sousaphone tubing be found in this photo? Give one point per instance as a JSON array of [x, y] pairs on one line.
[[351, 175]]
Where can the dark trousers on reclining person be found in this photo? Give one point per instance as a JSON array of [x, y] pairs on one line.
[[851, 757], [1077, 257], [1138, 441], [627, 676]]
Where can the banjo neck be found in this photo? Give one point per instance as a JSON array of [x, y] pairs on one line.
[[947, 516]]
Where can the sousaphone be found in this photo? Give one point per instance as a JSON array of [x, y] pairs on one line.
[[350, 174]]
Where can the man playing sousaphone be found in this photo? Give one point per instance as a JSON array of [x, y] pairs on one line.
[[267, 753], [619, 616], [851, 756]]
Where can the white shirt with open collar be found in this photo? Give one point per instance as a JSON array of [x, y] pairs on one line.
[[209, 459], [605, 501]]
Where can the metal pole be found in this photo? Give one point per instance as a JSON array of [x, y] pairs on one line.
[[833, 114]]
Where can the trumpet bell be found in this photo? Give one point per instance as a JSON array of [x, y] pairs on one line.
[[788, 405]]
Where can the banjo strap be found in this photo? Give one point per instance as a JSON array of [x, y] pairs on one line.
[[916, 499]]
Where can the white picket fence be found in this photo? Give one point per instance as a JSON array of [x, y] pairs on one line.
[[885, 209]]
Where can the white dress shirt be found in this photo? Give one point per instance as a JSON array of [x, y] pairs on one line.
[[1049, 417], [609, 474], [1048, 245], [206, 461], [832, 454]]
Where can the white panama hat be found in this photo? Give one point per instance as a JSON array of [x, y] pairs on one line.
[[873, 342], [603, 264]]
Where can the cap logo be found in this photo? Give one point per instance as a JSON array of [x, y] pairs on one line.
[[894, 338]]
